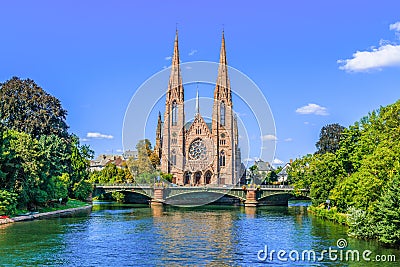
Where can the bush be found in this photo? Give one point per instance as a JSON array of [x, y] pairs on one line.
[[118, 196], [332, 214], [8, 202], [82, 190]]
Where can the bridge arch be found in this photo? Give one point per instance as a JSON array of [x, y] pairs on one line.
[[281, 198], [197, 198]]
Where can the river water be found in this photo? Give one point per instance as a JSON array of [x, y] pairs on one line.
[[129, 235]]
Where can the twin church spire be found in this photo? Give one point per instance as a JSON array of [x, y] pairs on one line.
[[222, 89], [197, 152]]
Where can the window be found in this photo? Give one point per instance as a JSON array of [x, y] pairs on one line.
[[222, 142], [222, 159], [173, 157], [174, 113], [198, 131], [222, 113], [197, 150]]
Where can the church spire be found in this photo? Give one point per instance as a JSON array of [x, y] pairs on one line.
[[222, 55], [158, 146], [197, 101], [175, 87], [159, 124], [222, 89]]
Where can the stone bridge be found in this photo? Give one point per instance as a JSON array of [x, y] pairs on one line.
[[250, 196]]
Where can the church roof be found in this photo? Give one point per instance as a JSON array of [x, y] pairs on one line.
[[263, 166], [189, 123]]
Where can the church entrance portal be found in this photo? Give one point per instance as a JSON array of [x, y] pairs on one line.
[[208, 177], [197, 178], [187, 178]]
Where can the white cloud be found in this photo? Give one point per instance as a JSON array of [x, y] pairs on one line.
[[99, 136], [251, 159], [194, 51], [119, 150], [289, 139], [395, 26], [313, 109], [269, 137], [277, 161], [168, 58], [385, 56], [84, 140]]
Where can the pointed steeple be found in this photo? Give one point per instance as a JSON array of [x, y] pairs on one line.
[[175, 87], [222, 55], [175, 58], [197, 101], [158, 146], [223, 88], [159, 122]]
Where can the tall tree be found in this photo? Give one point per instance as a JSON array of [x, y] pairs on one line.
[[142, 166], [389, 214], [329, 138], [26, 107]]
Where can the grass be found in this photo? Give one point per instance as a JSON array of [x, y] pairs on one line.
[[72, 203], [332, 214]]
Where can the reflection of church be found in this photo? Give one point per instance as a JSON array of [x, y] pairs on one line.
[[197, 152]]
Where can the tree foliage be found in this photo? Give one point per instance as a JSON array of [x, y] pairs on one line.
[[329, 138], [142, 168], [40, 161], [111, 174], [360, 174], [8, 202], [26, 107]]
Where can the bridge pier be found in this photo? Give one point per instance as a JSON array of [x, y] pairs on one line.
[[159, 196], [251, 198]]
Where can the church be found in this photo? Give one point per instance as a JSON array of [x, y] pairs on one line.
[[197, 152]]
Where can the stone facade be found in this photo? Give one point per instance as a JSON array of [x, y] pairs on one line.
[[197, 152]]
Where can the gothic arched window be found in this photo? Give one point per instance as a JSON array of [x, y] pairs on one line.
[[174, 112], [173, 157], [222, 158], [222, 113]]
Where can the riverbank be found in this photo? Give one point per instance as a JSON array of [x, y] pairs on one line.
[[329, 214], [46, 215]]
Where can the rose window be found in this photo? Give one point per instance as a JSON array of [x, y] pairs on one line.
[[197, 150]]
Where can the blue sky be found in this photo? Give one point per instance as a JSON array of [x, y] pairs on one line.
[[342, 57]]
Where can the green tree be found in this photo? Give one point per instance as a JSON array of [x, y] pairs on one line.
[[26, 107], [329, 138], [167, 176], [154, 159], [118, 196], [388, 227], [79, 169], [8, 202], [82, 189], [142, 167]]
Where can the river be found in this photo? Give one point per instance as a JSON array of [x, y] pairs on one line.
[[129, 235]]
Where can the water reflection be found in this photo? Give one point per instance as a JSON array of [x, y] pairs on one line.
[[251, 212], [132, 235]]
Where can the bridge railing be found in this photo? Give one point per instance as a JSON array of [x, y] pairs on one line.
[[227, 187], [277, 186]]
